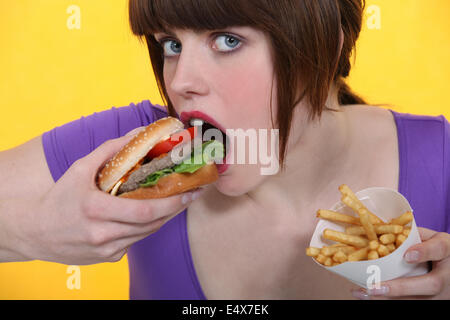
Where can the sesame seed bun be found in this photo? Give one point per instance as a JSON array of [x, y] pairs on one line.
[[132, 153]]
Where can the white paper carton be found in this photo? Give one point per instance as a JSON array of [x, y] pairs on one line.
[[386, 204]]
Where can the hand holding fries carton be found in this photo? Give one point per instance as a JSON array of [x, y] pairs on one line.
[[364, 233]]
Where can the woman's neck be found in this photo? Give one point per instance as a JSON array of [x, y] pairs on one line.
[[318, 153]]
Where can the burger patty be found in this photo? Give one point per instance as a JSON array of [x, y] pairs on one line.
[[138, 176]]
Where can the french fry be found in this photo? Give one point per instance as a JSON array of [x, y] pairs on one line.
[[400, 239], [329, 251], [374, 244], [379, 229], [328, 262], [359, 255], [388, 228], [391, 247], [372, 255], [312, 251], [406, 231], [346, 191], [355, 204], [367, 225], [340, 257], [341, 237], [338, 245], [321, 258], [382, 250], [355, 231], [387, 238], [347, 249], [404, 219], [351, 202], [337, 217]]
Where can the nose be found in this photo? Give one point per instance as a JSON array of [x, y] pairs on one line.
[[189, 78]]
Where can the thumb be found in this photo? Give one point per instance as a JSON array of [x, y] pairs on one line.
[[135, 131], [98, 158], [109, 148]]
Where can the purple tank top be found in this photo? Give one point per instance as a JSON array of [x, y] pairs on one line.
[[161, 265]]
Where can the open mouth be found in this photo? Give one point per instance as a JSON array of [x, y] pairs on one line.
[[210, 132], [209, 128]]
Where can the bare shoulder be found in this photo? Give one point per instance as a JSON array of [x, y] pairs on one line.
[[376, 142], [375, 121], [369, 112]]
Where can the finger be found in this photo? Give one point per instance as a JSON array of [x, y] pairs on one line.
[[435, 248], [97, 158], [115, 250], [135, 131], [107, 232], [425, 233], [131, 230], [106, 207]]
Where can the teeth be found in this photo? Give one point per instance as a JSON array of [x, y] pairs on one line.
[[195, 122]]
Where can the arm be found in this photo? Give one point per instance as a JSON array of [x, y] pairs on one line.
[[435, 249], [71, 221], [25, 176]]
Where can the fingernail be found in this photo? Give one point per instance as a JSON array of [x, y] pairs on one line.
[[360, 294], [187, 198], [381, 291], [412, 256], [197, 194], [191, 196]]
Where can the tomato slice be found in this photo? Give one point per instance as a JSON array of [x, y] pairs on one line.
[[167, 145]]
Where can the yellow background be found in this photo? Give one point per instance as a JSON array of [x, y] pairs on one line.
[[51, 75]]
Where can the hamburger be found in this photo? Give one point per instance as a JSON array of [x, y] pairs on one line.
[[162, 160]]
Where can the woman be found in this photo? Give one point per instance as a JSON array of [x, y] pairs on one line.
[[248, 65]]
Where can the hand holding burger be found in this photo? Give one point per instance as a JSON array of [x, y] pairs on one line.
[[160, 161], [76, 223]]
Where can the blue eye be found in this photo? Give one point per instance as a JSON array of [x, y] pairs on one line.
[[226, 43], [171, 48]]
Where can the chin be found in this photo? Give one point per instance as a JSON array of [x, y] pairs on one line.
[[235, 184], [229, 188]]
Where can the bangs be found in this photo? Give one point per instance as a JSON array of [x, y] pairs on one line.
[[150, 16]]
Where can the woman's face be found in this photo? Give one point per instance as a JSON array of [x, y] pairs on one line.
[[225, 77]]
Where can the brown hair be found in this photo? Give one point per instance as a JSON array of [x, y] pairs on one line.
[[304, 34]]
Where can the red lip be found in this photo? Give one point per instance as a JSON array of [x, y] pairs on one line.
[[221, 168], [186, 116]]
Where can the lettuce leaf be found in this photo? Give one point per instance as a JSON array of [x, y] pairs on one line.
[[152, 179], [211, 150]]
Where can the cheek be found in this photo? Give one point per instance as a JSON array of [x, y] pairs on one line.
[[168, 74], [247, 93]]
